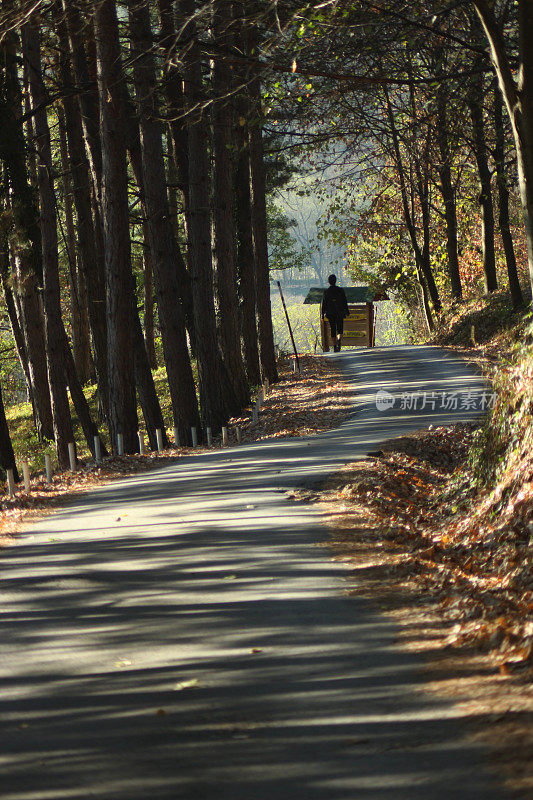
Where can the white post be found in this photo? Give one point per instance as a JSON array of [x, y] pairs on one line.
[[224, 437], [72, 456], [239, 434], [120, 444], [97, 449], [26, 476], [294, 365], [142, 448], [10, 483], [176, 433], [260, 398], [48, 467], [194, 437], [159, 437], [255, 414], [209, 435]]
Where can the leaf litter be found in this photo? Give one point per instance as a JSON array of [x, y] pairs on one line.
[[452, 563]]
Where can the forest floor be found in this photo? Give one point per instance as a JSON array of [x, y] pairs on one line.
[[303, 404]]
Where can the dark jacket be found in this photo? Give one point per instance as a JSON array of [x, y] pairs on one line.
[[334, 303]]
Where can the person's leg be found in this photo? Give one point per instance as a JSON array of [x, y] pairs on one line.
[[340, 331], [333, 327]]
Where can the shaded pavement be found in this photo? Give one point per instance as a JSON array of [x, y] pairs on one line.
[[181, 634]]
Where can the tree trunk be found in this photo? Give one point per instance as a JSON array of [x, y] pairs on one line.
[[475, 104], [148, 300], [151, 408], [173, 87], [115, 212], [224, 218], [447, 190], [13, 314], [259, 222], [245, 247], [213, 384], [518, 101], [503, 204], [77, 27], [423, 268], [63, 432], [7, 456], [27, 259], [81, 345], [81, 406], [162, 242], [89, 227]]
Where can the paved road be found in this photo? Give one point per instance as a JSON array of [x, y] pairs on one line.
[[151, 595]]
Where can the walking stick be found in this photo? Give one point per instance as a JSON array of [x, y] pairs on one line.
[[289, 325]]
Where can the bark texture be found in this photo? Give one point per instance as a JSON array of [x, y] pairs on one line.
[[115, 212]]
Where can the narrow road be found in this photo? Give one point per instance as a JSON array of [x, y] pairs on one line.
[[181, 635]]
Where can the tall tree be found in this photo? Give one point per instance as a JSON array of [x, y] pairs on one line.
[[63, 431], [516, 85], [224, 203], [214, 386], [25, 236], [159, 224], [259, 221], [476, 106], [115, 214]]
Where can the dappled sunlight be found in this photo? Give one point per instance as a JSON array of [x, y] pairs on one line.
[[182, 635]]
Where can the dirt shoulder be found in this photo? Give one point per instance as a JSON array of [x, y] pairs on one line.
[[453, 575], [298, 405]]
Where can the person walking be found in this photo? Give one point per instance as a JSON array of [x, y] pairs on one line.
[[335, 309]]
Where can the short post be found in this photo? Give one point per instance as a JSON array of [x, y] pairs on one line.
[[209, 435], [194, 437], [72, 456], [48, 467], [26, 476], [238, 433], [10, 483], [97, 449], [159, 438], [176, 434], [224, 437], [260, 398], [120, 444], [255, 414], [142, 448], [295, 366]]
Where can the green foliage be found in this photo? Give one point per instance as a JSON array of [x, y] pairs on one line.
[[284, 249]]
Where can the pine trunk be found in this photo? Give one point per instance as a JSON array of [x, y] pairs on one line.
[[81, 345], [63, 432], [161, 235], [88, 228], [267, 354], [28, 265], [447, 191], [245, 250], [115, 213], [7, 456], [213, 384], [475, 103], [224, 218]]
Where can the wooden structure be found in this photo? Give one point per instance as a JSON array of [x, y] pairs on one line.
[[359, 327]]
